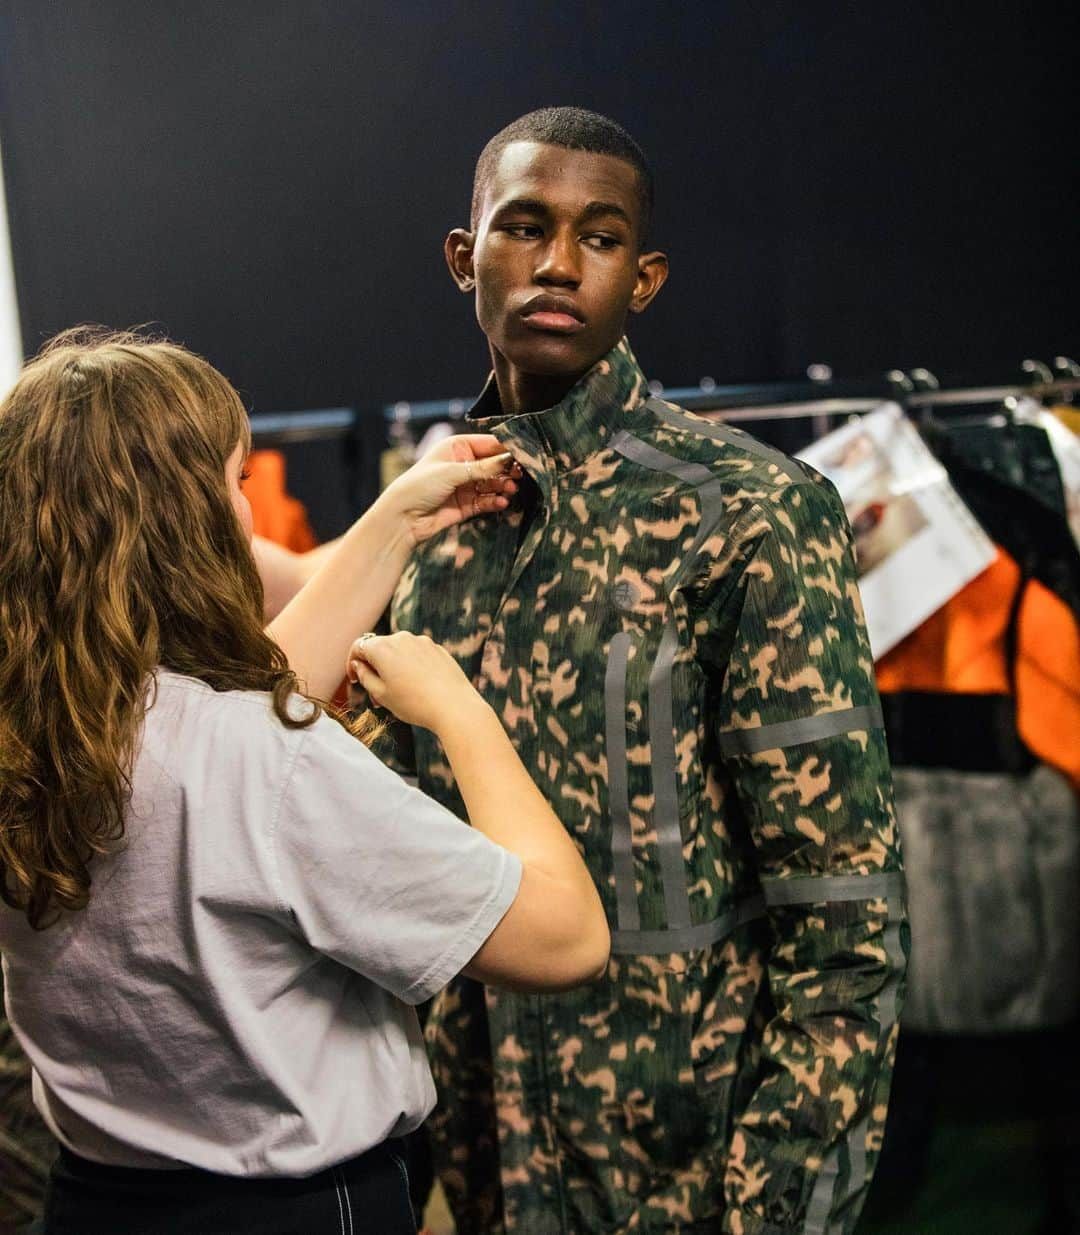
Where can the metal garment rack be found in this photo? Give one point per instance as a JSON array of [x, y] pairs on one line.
[[363, 432], [819, 396], [270, 429]]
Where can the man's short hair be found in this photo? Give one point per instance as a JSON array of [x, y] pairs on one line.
[[573, 128]]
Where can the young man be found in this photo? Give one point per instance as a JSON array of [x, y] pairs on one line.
[[670, 630]]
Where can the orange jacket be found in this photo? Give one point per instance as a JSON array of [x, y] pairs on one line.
[[963, 648], [276, 515]]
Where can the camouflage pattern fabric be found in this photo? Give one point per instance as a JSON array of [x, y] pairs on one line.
[[669, 628], [26, 1145]]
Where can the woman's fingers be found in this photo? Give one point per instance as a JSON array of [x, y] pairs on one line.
[[495, 475], [368, 679], [480, 445]]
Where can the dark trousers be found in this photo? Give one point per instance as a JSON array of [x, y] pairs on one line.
[[368, 1195]]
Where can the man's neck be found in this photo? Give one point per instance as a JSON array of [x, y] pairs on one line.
[[529, 392]]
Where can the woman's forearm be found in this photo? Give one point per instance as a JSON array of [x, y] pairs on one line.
[[346, 594], [555, 934]]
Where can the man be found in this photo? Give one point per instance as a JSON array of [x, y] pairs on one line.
[[670, 630]]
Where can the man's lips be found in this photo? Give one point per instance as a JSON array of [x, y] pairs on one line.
[[552, 313]]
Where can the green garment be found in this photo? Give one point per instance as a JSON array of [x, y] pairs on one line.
[[26, 1145], [671, 633]]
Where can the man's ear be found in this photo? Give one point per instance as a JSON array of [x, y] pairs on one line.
[[652, 273], [459, 257]]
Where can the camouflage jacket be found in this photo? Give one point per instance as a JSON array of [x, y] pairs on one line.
[[26, 1145], [671, 633]]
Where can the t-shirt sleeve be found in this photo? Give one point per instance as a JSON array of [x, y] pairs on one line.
[[379, 876]]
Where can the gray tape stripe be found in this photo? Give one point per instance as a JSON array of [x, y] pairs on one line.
[[857, 1155], [796, 732], [722, 433], [818, 888], [622, 848], [710, 487], [666, 783], [637, 451], [654, 943], [821, 1199]]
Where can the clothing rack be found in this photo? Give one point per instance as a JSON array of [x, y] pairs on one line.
[[316, 424], [365, 431], [819, 395]]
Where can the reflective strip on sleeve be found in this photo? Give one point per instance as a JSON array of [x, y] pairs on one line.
[[666, 782], [622, 850], [815, 889], [796, 732], [689, 938]]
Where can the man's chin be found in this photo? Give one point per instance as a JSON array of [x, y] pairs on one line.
[[553, 355]]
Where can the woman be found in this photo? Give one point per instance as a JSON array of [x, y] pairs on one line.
[[218, 903]]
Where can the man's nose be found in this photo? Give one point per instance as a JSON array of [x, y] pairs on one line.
[[559, 264]]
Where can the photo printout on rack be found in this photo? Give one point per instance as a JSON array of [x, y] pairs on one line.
[[916, 543]]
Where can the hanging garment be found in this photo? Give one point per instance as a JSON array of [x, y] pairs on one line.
[[1069, 415], [1065, 444], [275, 514], [916, 543], [993, 861], [982, 708], [671, 633], [990, 682], [1009, 477]]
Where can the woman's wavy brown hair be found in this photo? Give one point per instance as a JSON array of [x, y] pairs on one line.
[[120, 551]]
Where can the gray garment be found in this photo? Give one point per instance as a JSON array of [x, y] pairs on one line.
[[993, 873], [235, 995]]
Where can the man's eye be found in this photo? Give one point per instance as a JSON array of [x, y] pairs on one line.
[[600, 240], [527, 231]]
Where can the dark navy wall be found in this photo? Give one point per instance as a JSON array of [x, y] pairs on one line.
[[865, 184]]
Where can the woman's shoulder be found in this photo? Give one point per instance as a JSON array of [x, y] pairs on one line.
[[191, 726], [184, 711]]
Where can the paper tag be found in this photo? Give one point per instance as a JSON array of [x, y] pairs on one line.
[[916, 543]]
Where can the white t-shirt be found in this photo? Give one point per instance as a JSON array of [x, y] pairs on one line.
[[235, 995]]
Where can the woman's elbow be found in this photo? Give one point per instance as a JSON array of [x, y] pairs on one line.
[[599, 952], [586, 959]]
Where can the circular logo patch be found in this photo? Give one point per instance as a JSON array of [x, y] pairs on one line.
[[625, 594]]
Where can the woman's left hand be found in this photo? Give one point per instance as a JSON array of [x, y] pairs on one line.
[[465, 475]]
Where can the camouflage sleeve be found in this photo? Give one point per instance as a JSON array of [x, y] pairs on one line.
[[800, 736]]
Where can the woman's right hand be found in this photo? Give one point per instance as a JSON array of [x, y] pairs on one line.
[[413, 677]]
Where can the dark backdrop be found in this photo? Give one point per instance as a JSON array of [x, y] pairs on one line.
[[864, 184]]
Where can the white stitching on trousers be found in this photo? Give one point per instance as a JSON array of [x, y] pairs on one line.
[[405, 1177], [337, 1193], [348, 1203]]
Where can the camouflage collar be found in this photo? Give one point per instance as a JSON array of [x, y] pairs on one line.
[[580, 423]]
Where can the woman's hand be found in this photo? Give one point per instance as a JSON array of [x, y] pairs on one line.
[[466, 475], [416, 679]]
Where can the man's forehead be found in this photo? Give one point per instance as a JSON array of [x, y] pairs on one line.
[[540, 171]]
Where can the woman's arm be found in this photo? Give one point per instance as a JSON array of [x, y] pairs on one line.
[[555, 934], [351, 585], [284, 571]]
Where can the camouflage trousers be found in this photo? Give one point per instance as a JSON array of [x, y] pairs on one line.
[[26, 1145]]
